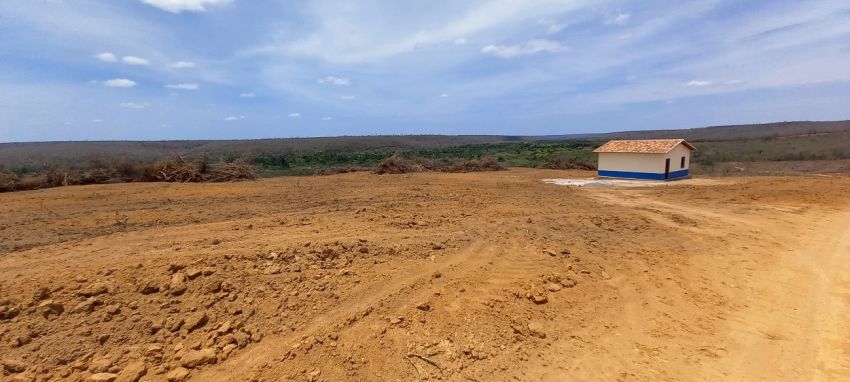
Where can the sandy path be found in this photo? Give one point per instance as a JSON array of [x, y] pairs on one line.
[[797, 324], [793, 323]]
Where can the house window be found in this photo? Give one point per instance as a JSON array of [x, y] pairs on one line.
[[683, 163]]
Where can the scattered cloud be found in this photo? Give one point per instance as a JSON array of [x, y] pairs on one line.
[[133, 60], [96, 121], [294, 115], [177, 6], [182, 64], [331, 80], [235, 118], [619, 19], [530, 47], [133, 105], [106, 57], [327, 118], [698, 83], [555, 28], [552, 27], [187, 86], [119, 83], [747, 56], [385, 30]]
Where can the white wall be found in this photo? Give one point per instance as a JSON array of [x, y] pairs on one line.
[[632, 162], [676, 155], [651, 163]]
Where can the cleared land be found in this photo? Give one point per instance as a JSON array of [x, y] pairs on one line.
[[480, 276]]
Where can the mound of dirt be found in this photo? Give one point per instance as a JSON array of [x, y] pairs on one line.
[[171, 320]]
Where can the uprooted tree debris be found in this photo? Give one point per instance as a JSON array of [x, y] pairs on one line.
[[175, 169], [399, 165]]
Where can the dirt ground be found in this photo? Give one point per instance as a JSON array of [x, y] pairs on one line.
[[456, 277]]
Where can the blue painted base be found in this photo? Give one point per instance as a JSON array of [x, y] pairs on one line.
[[643, 175]]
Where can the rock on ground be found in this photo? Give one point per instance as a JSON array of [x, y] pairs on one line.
[[177, 375]]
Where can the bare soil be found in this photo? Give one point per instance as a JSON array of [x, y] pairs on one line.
[[427, 276]]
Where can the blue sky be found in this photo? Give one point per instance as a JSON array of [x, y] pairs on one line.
[[220, 69]]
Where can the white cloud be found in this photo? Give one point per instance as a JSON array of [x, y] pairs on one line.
[[247, 95], [733, 82], [133, 105], [698, 83], [106, 57], [531, 47], [294, 115], [119, 83], [619, 19], [133, 60], [182, 65], [189, 86], [383, 30], [460, 41], [347, 97], [444, 95], [552, 27], [326, 118], [331, 80], [96, 121], [555, 28], [234, 118], [177, 6]]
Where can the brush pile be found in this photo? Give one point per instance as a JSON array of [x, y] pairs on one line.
[[8, 181], [488, 163], [339, 170], [399, 165], [180, 170], [565, 163], [176, 169]]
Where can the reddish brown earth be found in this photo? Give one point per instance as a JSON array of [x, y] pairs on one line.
[[458, 277]]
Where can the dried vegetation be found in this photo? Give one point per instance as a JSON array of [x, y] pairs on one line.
[[175, 169], [399, 165]]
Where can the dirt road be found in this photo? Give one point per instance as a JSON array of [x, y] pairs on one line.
[[488, 276]]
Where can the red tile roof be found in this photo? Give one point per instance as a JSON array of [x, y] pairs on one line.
[[643, 146]]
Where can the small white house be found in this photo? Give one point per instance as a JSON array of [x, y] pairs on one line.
[[659, 159]]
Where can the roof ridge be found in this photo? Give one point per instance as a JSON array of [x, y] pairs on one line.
[[643, 146]]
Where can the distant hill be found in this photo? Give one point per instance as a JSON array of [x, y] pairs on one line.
[[39, 153], [724, 133], [778, 141]]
